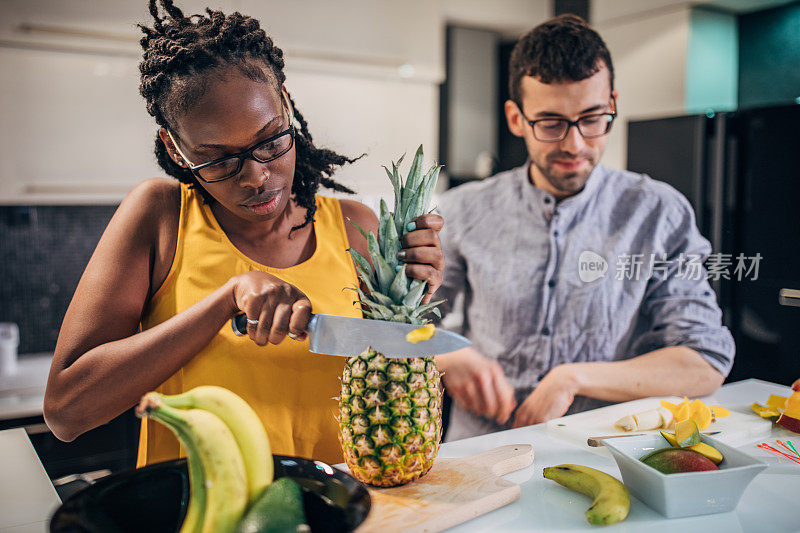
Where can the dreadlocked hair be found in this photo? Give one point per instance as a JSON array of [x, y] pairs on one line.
[[180, 53]]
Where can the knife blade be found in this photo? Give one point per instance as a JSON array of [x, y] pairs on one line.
[[348, 336], [596, 442]]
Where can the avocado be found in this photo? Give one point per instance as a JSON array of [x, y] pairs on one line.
[[277, 509]]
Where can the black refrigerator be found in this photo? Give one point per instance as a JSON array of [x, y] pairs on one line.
[[741, 172]]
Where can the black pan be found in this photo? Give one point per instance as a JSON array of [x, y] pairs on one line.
[[154, 499]]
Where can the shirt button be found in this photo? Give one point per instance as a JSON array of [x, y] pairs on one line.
[[545, 331], [551, 283], [547, 199], [555, 233]]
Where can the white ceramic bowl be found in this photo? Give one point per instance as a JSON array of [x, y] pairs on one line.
[[684, 494]]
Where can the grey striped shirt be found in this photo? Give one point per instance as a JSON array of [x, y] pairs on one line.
[[600, 276]]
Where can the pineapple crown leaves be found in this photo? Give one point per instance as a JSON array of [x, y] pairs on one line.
[[392, 295]]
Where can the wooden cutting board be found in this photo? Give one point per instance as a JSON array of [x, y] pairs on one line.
[[454, 491]]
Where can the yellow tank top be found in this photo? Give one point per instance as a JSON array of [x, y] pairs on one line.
[[290, 388]]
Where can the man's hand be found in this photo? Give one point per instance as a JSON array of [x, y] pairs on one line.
[[550, 399], [477, 384], [796, 385]]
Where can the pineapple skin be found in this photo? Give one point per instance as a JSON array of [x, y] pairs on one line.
[[390, 424], [390, 410]]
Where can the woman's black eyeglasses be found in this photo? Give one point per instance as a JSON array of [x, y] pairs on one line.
[[230, 165]]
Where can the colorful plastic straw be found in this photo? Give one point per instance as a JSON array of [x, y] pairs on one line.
[[769, 448], [792, 447], [790, 450]]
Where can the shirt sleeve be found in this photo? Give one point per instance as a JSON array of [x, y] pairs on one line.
[[680, 308], [454, 277]]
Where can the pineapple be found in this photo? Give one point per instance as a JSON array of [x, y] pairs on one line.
[[390, 410]]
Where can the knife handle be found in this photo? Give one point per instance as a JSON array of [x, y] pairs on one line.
[[239, 324]]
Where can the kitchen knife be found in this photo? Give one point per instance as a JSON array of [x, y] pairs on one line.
[[596, 442], [347, 336]]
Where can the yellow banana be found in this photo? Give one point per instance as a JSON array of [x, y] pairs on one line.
[[612, 502], [224, 486], [243, 422], [193, 522]]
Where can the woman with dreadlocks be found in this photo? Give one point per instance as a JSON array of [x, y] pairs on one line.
[[240, 230]]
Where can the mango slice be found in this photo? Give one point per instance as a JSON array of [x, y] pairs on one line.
[[790, 419], [793, 405], [424, 333], [764, 412], [719, 412], [700, 413], [683, 412], [670, 438], [671, 407], [707, 450], [695, 410], [777, 402], [686, 433]]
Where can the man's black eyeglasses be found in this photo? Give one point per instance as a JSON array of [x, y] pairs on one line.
[[230, 165], [556, 129]]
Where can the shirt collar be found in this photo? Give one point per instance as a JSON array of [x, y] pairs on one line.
[[541, 200]]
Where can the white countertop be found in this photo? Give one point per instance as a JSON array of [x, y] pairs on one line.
[[769, 503], [22, 393], [27, 498]]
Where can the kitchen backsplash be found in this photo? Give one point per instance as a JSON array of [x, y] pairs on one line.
[[43, 252]]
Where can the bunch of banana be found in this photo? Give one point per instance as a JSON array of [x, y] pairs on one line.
[[612, 501], [227, 449]]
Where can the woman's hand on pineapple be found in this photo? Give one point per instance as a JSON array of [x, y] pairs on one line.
[[551, 398], [422, 252], [477, 384], [280, 308]]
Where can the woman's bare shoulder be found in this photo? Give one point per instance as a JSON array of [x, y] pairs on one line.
[[364, 217], [360, 214]]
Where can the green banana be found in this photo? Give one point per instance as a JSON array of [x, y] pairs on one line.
[[223, 490], [612, 501], [243, 422]]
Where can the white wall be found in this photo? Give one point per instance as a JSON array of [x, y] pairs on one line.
[[649, 55], [364, 72], [510, 17]]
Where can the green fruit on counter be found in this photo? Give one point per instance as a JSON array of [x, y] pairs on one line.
[[612, 501], [278, 509], [678, 460]]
